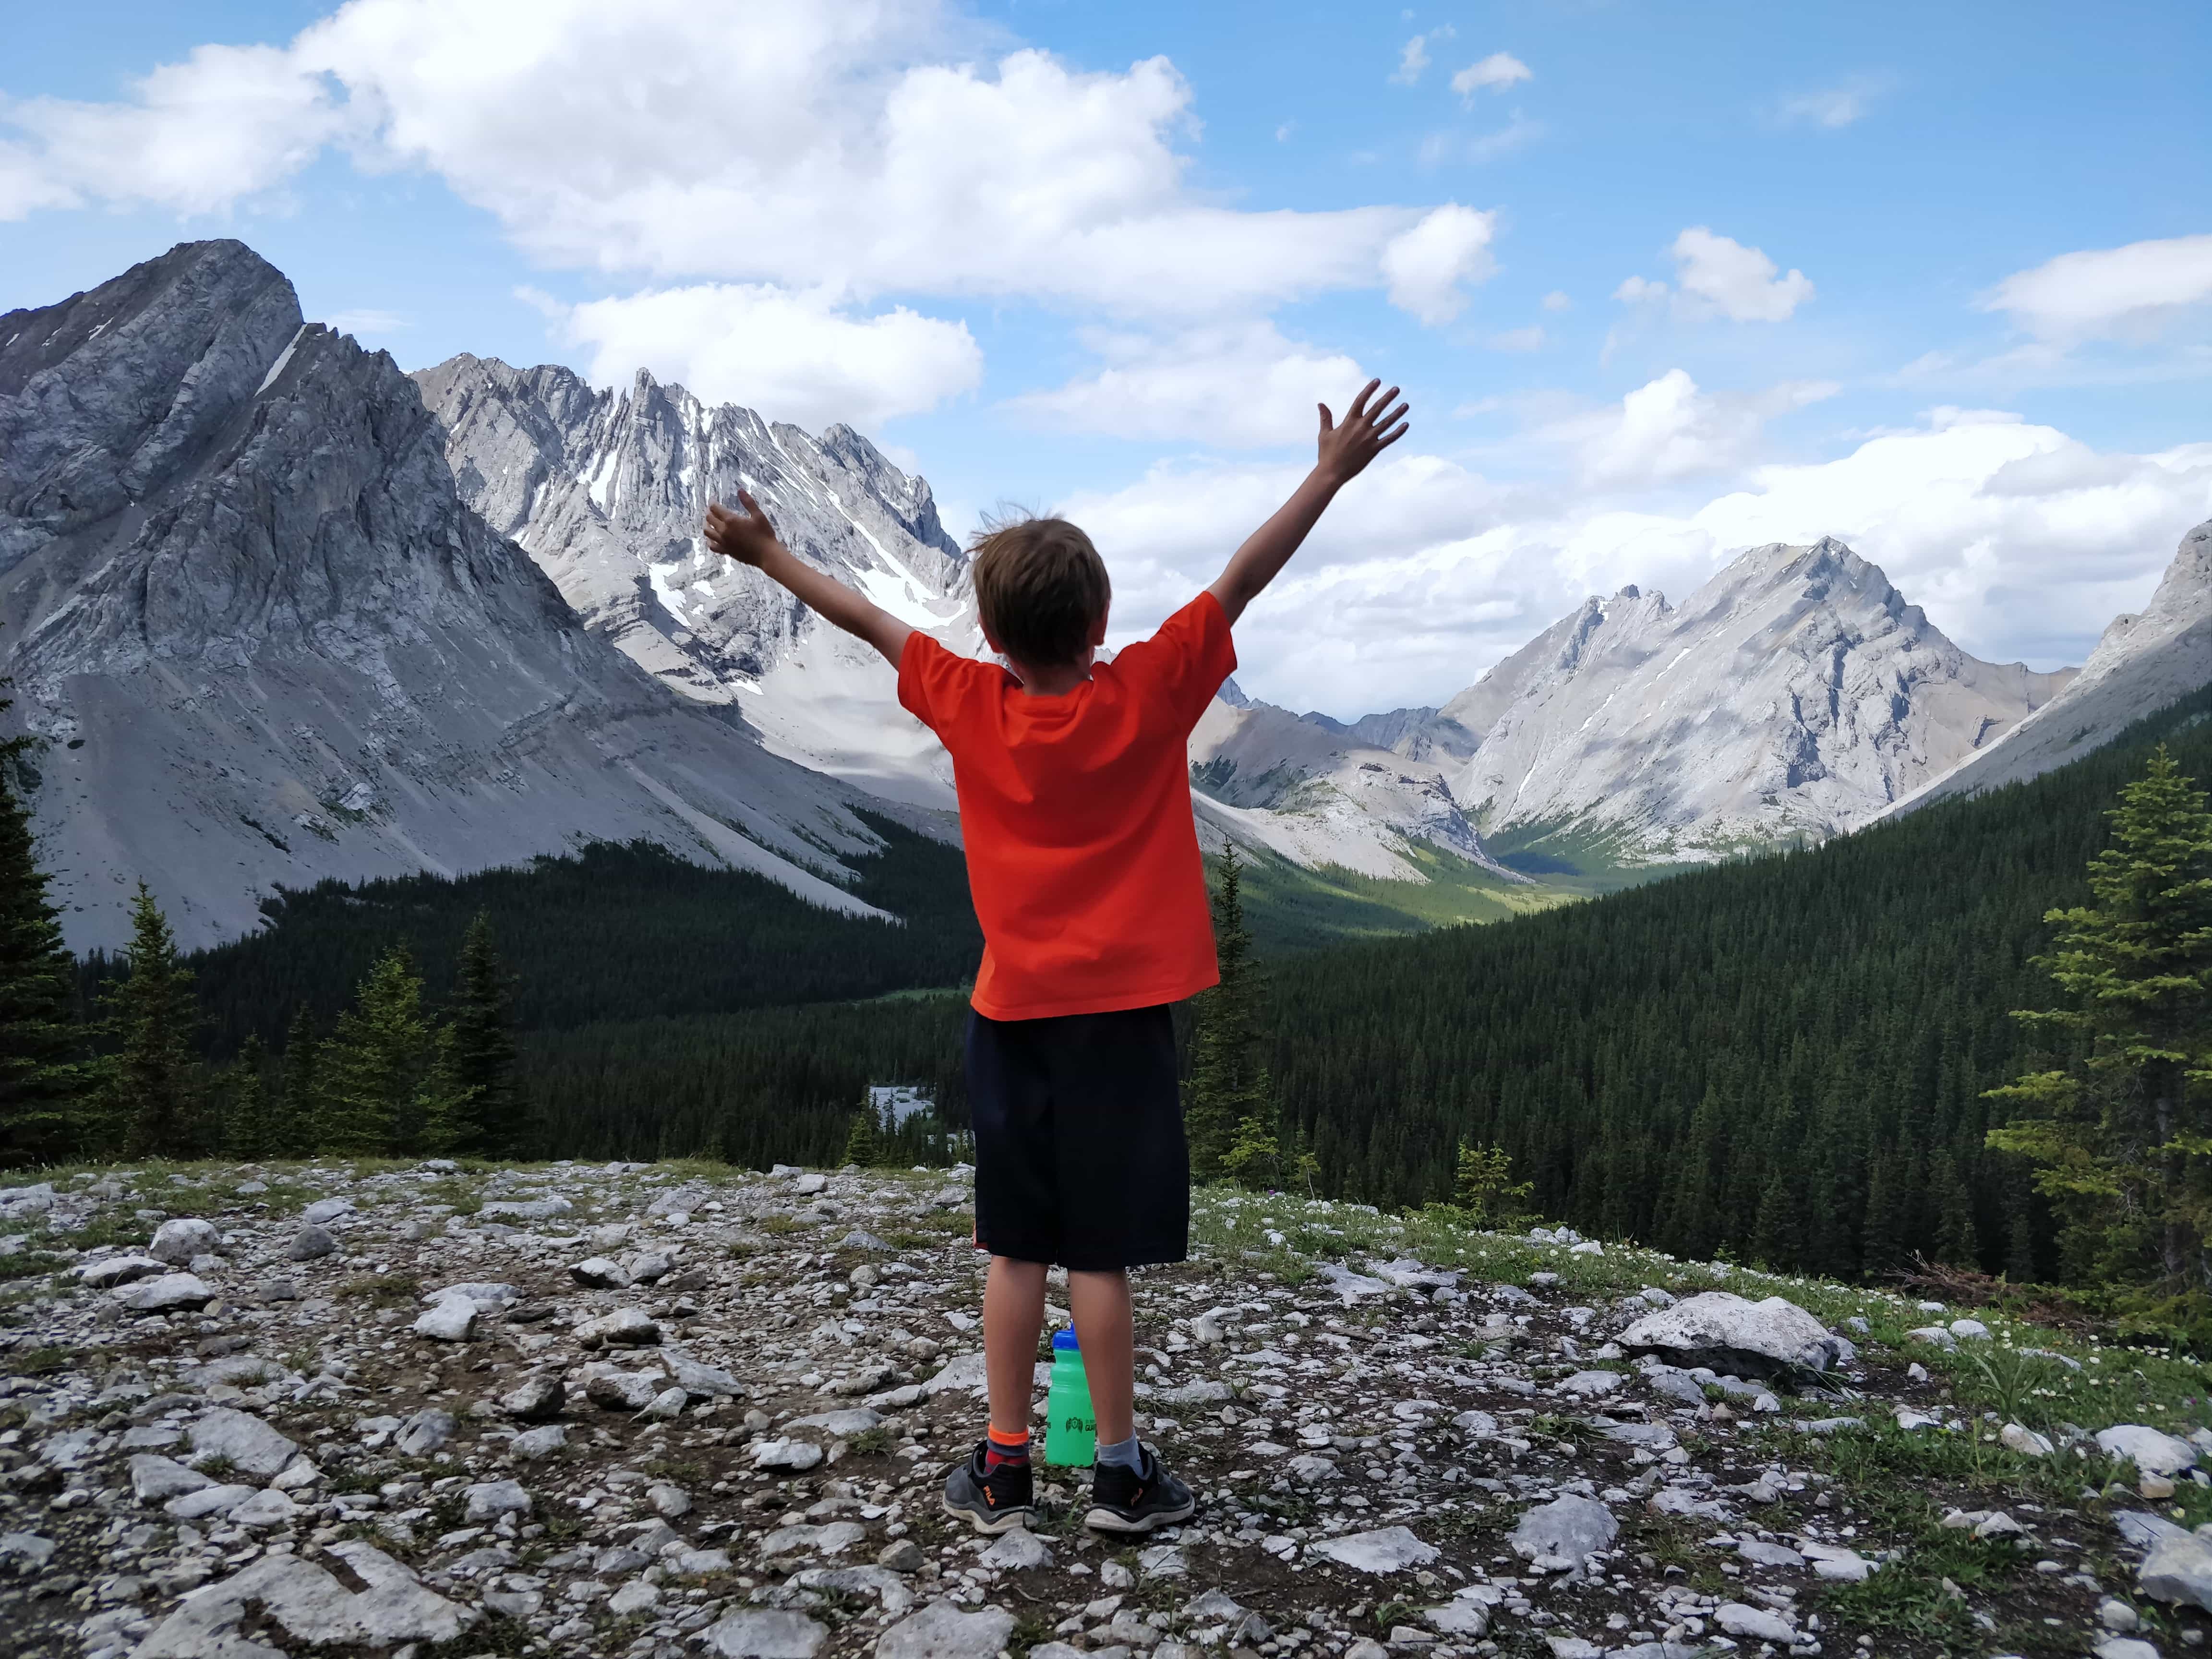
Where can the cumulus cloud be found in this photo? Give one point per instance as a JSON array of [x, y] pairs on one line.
[[2129, 292], [795, 357], [1530, 338], [1719, 275], [1496, 72], [1241, 387], [1668, 429], [2020, 542], [1426, 265], [855, 146]]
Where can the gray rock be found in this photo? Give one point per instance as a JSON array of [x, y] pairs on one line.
[[535, 1399], [941, 1631], [526, 1209], [1719, 1329], [1386, 1549], [832, 1539], [170, 1293], [208, 1500], [1759, 1624], [784, 1453], [246, 1442], [110, 1271], [427, 1431], [2125, 1647], [1017, 1551], [538, 1442], [181, 1239], [453, 1320], [1462, 1618], [1567, 1528], [611, 1388], [635, 1597], [310, 1243], [902, 1556], [324, 1210], [1591, 1385], [25, 1552], [310, 1606], [627, 1327], [1762, 1554], [488, 1500], [2148, 1449], [702, 1381], [2179, 1569], [266, 1508], [765, 1633], [1836, 1563], [891, 1591], [669, 1502], [600, 1274], [841, 1424], [156, 1479]]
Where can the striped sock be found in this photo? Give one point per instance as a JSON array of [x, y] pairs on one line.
[[1000, 1449]]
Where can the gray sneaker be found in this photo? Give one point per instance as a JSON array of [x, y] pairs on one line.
[[990, 1500], [1127, 1500]]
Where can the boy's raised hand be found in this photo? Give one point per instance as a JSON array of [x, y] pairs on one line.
[[746, 536], [1369, 429]]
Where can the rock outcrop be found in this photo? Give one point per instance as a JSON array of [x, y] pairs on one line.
[[265, 643]]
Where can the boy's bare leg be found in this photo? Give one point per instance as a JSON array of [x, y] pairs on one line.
[[1014, 1317], [1105, 1328]]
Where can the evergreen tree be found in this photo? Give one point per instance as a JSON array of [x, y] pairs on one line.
[[860, 1146], [483, 1053], [379, 1081], [1254, 1158], [2119, 1130], [1483, 1186], [41, 1080], [1229, 1069], [250, 1126], [150, 1081], [300, 1118]]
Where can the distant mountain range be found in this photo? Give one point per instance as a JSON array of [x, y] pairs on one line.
[[282, 613]]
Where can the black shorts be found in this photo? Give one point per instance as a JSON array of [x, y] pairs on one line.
[[1080, 1154]]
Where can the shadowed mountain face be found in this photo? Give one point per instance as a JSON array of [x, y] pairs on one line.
[[2141, 663], [607, 491], [268, 643]]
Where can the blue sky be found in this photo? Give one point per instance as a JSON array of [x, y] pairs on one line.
[[1662, 282]]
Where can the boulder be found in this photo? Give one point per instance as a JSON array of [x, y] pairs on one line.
[[108, 1272], [170, 1293], [490, 1499], [613, 1389], [1567, 1529], [766, 1633], [535, 1399], [310, 1606], [1387, 1549], [242, 1440], [427, 1431], [178, 1240], [324, 1211], [310, 1243], [2179, 1569], [597, 1273], [2151, 1451], [941, 1631], [452, 1320], [625, 1328], [1728, 1333], [1759, 1624], [156, 1479]]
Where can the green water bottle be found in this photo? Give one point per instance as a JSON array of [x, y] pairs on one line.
[[1070, 1435]]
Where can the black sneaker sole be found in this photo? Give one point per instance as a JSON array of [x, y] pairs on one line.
[[987, 1522], [1103, 1519]]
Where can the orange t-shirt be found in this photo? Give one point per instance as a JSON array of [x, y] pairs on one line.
[[1082, 852]]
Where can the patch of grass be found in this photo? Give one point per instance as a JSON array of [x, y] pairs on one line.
[[780, 1225], [383, 1290], [495, 1634], [28, 1264], [871, 1442], [34, 1362], [113, 1228]]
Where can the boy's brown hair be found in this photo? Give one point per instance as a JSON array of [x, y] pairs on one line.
[[1041, 588]]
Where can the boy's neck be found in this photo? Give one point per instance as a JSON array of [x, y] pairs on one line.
[[1054, 681]]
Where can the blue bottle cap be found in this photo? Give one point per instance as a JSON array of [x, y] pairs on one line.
[[1064, 1341]]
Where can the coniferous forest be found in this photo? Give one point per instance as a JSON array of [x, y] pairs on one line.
[[1787, 1060]]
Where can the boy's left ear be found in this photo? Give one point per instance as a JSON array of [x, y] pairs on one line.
[[1099, 628]]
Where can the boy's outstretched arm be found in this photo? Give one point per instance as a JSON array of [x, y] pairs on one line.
[[748, 537], [1370, 426]]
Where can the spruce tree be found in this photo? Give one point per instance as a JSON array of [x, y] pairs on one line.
[[251, 1130], [1229, 1098], [299, 1131], [2118, 1127], [149, 1083], [40, 1079], [378, 1080], [861, 1146], [1483, 1186], [483, 1052]]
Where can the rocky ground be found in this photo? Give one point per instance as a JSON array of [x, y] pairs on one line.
[[665, 1411]]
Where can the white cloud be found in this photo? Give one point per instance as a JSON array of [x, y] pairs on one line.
[[369, 321], [1719, 274], [1667, 430], [2129, 291], [1530, 338], [195, 136], [2017, 539], [1837, 106], [1497, 72], [1556, 300], [1425, 266], [794, 358], [1414, 57], [876, 146], [1240, 387]]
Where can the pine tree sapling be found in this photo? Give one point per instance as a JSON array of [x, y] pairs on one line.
[[1484, 1188], [1254, 1159], [861, 1146], [2118, 1127], [380, 1070], [41, 1081], [1228, 1068], [250, 1127], [150, 1081]]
